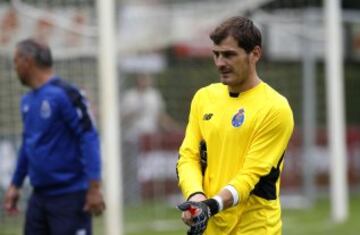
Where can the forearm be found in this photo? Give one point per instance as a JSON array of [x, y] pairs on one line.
[[91, 153], [189, 177], [20, 170], [189, 173]]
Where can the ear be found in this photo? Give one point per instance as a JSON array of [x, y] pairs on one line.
[[29, 62], [255, 54]]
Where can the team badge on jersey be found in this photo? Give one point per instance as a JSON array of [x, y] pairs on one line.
[[238, 118], [45, 109], [25, 108]]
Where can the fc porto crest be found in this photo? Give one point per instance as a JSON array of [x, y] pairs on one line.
[[25, 108], [238, 118], [45, 109]]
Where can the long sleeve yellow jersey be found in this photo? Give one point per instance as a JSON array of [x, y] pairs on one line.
[[246, 137]]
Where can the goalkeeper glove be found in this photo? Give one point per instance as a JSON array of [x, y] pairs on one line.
[[201, 212]]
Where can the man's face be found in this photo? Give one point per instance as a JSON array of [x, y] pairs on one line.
[[22, 66], [232, 62]]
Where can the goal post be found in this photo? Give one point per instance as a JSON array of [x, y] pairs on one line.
[[335, 111], [108, 84]]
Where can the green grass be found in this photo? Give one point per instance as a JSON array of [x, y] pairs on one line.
[[317, 220], [155, 219]]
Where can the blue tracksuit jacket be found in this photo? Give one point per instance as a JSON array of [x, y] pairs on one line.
[[60, 147]]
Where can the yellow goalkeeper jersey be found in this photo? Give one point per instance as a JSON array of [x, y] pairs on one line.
[[246, 137]]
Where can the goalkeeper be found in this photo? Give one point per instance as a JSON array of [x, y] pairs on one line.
[[246, 126]]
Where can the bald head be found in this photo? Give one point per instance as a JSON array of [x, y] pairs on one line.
[[33, 62], [39, 52]]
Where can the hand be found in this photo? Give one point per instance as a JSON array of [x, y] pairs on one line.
[[11, 198], [198, 197], [94, 203], [186, 215], [200, 214]]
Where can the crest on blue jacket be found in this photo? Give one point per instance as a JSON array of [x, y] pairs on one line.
[[45, 109], [238, 118]]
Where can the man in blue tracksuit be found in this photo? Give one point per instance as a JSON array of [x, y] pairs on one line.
[[60, 150]]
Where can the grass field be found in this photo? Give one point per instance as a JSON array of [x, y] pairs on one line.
[[140, 221]]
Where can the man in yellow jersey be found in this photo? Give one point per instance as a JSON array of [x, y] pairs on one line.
[[246, 126]]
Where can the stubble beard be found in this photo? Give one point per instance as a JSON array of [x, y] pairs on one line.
[[23, 80], [233, 79]]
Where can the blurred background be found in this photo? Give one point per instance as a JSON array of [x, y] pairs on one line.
[[163, 55]]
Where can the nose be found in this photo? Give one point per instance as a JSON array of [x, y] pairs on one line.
[[220, 62]]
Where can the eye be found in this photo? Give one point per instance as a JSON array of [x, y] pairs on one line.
[[229, 54], [216, 54]]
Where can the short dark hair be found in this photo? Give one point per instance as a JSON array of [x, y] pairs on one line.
[[242, 29], [40, 52]]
